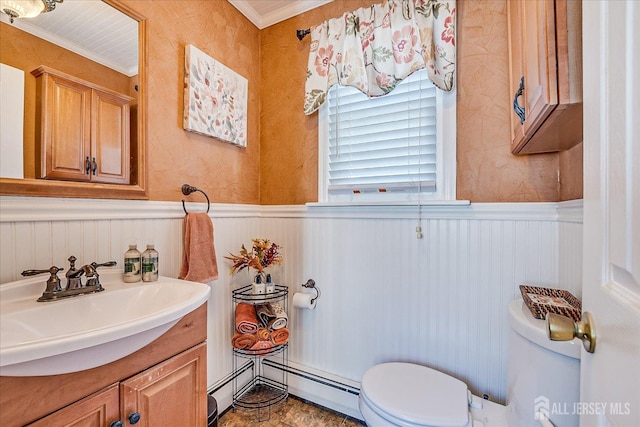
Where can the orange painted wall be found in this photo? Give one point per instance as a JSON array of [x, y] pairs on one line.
[[227, 173], [487, 171], [279, 165]]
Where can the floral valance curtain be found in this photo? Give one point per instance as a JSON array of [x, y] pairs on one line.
[[373, 49]]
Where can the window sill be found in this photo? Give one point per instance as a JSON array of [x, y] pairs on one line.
[[425, 203]]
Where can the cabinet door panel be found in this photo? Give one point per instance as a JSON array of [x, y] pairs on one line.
[[110, 127], [541, 80], [66, 129], [98, 410], [516, 64], [172, 393]]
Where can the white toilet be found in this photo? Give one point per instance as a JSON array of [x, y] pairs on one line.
[[543, 386]]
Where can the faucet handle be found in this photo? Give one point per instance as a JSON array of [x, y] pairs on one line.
[[104, 264], [53, 283], [93, 278], [53, 270]]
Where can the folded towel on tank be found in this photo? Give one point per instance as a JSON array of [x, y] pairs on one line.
[[246, 320], [265, 314], [280, 336], [281, 319], [243, 341]]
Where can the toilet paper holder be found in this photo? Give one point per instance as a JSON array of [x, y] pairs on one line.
[[311, 284]]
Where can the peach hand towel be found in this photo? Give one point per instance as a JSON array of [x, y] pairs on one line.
[[199, 262], [243, 341], [246, 320]]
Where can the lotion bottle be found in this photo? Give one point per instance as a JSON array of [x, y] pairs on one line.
[[150, 264], [132, 262]]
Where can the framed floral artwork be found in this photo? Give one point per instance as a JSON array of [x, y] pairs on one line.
[[215, 98]]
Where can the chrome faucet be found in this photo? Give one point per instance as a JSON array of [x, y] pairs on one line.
[[74, 285]]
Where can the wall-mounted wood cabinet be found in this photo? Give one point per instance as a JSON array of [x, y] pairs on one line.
[[83, 129], [545, 56]]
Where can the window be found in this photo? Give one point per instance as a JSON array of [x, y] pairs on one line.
[[396, 148]]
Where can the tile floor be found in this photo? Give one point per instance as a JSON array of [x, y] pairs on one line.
[[293, 412]]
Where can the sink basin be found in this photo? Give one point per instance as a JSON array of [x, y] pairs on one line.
[[87, 331]]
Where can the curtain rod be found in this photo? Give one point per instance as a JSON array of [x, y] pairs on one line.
[[300, 34]]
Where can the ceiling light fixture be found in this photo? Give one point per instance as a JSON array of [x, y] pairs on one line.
[[27, 8]]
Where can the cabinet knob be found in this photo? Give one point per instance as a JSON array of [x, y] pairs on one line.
[[134, 418], [517, 108], [87, 165], [95, 166], [116, 424]]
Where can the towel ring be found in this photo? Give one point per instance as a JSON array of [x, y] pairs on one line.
[[312, 284], [188, 189]]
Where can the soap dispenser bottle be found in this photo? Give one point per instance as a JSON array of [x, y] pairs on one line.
[[269, 287], [257, 286], [132, 262], [150, 264]]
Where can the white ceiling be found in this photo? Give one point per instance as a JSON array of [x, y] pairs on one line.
[[90, 28], [99, 32], [264, 13]]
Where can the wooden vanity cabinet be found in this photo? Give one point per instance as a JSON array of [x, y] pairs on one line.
[[83, 129], [545, 58], [98, 410], [164, 382], [166, 394]]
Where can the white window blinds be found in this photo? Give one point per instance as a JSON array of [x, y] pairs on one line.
[[385, 144]]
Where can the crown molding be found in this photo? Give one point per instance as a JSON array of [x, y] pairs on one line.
[[291, 8]]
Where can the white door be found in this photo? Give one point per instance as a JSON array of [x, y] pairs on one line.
[[610, 377]]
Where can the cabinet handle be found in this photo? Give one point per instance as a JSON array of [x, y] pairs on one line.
[[87, 165], [95, 166], [517, 108], [134, 418], [116, 424]]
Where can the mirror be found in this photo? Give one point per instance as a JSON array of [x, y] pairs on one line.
[[97, 64]]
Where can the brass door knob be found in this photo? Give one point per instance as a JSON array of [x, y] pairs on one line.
[[561, 328]]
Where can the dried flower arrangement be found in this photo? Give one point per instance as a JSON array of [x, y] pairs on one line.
[[263, 254]]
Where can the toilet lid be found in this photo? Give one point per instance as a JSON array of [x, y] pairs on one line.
[[416, 394]]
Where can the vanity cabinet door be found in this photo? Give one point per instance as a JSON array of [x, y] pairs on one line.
[[545, 74], [98, 410], [172, 393]]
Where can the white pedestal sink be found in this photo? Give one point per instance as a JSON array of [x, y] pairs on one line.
[[87, 331]]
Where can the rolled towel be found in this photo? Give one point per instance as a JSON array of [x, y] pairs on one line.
[[280, 336], [281, 318], [246, 320], [261, 347], [265, 314], [243, 341], [264, 334]]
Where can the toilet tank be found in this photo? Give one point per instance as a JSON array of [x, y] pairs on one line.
[[542, 375]]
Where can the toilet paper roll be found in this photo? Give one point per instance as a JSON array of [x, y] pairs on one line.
[[303, 300]]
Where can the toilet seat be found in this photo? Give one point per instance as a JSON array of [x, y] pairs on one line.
[[407, 394]]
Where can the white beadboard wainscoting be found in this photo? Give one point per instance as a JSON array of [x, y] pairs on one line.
[[385, 294]]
